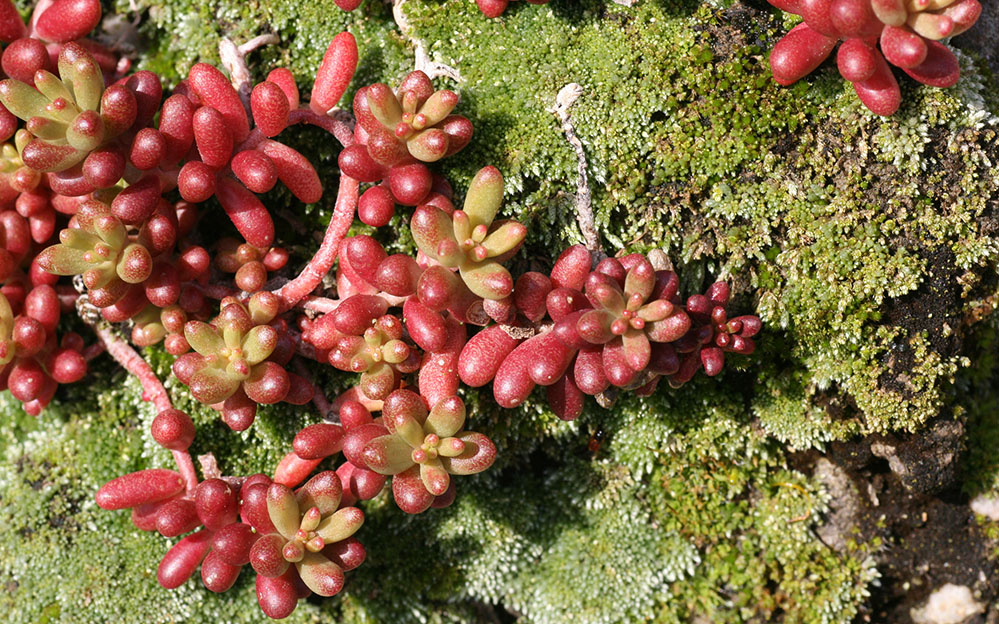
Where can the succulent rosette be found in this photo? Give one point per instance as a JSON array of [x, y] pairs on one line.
[[67, 117], [421, 449], [470, 239], [359, 337], [398, 131], [628, 320], [908, 32], [310, 537], [230, 366], [100, 249]]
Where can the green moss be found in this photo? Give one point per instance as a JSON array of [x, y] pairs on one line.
[[863, 243]]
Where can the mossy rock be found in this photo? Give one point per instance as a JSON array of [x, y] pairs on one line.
[[868, 245]]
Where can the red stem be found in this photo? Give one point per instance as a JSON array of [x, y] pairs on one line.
[[153, 390], [337, 128], [322, 305], [318, 397], [92, 351], [321, 263]]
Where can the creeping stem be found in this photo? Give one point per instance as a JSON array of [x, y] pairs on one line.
[[152, 388], [321, 263]]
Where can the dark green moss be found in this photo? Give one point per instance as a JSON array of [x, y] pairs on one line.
[[863, 242]]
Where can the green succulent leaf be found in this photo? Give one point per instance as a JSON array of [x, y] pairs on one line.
[[446, 418], [504, 238], [63, 260], [203, 338], [321, 575], [485, 194], [341, 525], [22, 100], [283, 510], [388, 454], [435, 478], [488, 280], [259, 343]]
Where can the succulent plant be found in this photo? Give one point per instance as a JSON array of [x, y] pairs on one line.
[[309, 529], [908, 32], [470, 240], [422, 448], [361, 338], [230, 364], [102, 252], [399, 131], [70, 116], [90, 164], [628, 320]]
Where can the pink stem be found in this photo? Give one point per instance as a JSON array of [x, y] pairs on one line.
[[321, 263], [318, 397], [93, 351], [186, 468], [319, 304], [153, 390], [337, 128]]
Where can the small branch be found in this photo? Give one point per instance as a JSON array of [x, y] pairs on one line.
[[584, 201], [234, 60], [152, 390], [321, 305], [321, 263], [340, 125], [93, 351], [124, 354], [318, 397], [423, 62]]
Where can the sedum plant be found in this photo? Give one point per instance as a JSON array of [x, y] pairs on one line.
[[905, 33], [307, 541], [108, 180], [421, 449], [470, 239]]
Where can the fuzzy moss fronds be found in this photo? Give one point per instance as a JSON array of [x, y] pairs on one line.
[[864, 243], [849, 228]]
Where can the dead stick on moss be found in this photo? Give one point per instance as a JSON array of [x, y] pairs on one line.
[[234, 60], [152, 390], [423, 62], [584, 201]]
